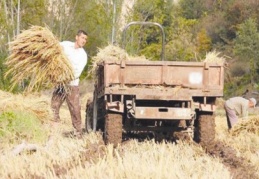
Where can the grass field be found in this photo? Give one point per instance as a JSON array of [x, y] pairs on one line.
[[41, 150]]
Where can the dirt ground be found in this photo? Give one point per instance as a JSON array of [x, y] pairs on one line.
[[238, 166]]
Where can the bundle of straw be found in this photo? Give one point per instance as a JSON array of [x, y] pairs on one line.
[[214, 57], [111, 53], [36, 55], [250, 125]]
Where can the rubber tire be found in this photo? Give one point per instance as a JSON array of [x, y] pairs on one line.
[[89, 117], [95, 116], [113, 129], [205, 130]]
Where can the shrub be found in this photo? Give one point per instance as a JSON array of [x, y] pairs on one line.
[[16, 126]]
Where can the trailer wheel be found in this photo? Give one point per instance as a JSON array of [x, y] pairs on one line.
[[205, 129], [113, 129], [89, 116], [95, 113]]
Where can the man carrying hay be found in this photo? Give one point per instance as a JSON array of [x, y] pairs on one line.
[[237, 106], [78, 59]]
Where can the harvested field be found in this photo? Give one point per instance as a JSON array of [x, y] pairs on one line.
[[232, 155]]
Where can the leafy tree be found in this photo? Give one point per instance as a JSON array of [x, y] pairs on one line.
[[203, 42], [142, 40], [180, 31], [247, 45], [240, 10], [192, 9], [2, 71], [182, 42], [8, 18], [198, 9], [33, 12]]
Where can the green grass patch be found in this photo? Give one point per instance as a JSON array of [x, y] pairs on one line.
[[16, 126]]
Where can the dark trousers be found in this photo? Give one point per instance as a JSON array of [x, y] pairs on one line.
[[73, 102]]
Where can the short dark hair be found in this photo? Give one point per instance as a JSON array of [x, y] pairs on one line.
[[79, 32]]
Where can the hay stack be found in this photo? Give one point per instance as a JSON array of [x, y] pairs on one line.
[[37, 56], [111, 53], [250, 125], [215, 58]]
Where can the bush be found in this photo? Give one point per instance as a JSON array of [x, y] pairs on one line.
[[16, 126]]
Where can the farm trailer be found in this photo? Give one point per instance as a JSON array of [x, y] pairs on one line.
[[163, 97]]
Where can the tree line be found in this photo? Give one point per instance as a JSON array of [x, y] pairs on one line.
[[192, 29]]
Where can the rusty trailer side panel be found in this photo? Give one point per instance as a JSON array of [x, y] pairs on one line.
[[206, 78]]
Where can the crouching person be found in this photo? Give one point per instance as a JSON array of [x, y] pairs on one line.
[[237, 106]]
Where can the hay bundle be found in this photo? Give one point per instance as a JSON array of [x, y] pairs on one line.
[[214, 57], [37, 56], [250, 125], [111, 53]]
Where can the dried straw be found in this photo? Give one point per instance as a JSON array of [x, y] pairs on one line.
[[214, 57], [250, 125], [36, 55], [38, 105], [111, 53]]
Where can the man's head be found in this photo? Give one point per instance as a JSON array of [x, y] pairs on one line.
[[252, 102], [81, 39]]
